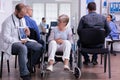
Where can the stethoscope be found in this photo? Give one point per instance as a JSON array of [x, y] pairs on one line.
[[14, 22]]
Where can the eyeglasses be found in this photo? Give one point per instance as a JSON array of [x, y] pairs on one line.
[[60, 21]]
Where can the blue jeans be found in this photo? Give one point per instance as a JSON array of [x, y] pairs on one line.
[[36, 53], [22, 50]]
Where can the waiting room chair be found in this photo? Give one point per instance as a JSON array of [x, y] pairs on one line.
[[1, 66], [33, 35], [112, 42], [89, 38]]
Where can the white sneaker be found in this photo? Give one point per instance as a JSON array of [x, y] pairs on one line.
[[66, 67], [50, 68]]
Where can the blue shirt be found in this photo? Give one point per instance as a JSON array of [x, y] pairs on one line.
[[114, 32], [32, 24]]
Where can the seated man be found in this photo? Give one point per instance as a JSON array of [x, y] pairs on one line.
[[92, 20], [43, 25], [44, 28], [60, 40], [114, 32], [13, 43], [31, 23]]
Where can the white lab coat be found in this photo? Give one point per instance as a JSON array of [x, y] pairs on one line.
[[9, 34]]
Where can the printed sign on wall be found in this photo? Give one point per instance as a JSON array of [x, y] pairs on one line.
[[114, 7]]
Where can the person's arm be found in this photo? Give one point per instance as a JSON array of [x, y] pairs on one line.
[[51, 37], [26, 24], [6, 32], [80, 26], [114, 28], [37, 30], [42, 27], [27, 31]]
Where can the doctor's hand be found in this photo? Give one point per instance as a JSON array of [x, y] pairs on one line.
[[24, 41]]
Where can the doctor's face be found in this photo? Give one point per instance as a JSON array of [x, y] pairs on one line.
[[21, 14]]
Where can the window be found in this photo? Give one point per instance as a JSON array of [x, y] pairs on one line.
[[51, 12], [38, 12], [65, 9]]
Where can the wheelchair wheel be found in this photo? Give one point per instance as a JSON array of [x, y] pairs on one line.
[[77, 72]]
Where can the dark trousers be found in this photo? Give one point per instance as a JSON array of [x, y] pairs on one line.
[[86, 56]]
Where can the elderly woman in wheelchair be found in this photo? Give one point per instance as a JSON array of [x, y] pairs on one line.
[[60, 39]]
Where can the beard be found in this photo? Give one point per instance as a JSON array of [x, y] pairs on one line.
[[18, 16]]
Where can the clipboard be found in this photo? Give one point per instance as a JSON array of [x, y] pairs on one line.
[[22, 34]]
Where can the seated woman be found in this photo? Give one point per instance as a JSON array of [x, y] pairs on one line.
[[114, 32], [60, 40]]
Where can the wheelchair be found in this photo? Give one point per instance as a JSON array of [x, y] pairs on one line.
[[58, 58]]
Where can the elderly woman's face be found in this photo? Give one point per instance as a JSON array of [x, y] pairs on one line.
[[61, 24]]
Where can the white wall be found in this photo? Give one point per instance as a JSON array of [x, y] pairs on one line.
[[6, 12], [83, 7]]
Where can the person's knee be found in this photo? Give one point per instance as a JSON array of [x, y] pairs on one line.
[[53, 42], [22, 49], [38, 48], [67, 43]]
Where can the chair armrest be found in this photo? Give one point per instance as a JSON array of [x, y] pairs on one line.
[[111, 37]]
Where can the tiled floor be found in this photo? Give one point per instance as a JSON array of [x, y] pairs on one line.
[[88, 72]]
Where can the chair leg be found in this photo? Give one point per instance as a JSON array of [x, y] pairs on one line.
[[1, 64], [34, 69], [8, 66], [105, 62], [15, 61], [109, 65], [30, 57], [71, 61], [111, 48], [101, 59], [38, 65]]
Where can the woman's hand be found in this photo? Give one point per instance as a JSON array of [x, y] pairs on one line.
[[59, 41], [27, 31]]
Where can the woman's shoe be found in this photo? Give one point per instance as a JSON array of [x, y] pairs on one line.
[[50, 68], [66, 67]]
